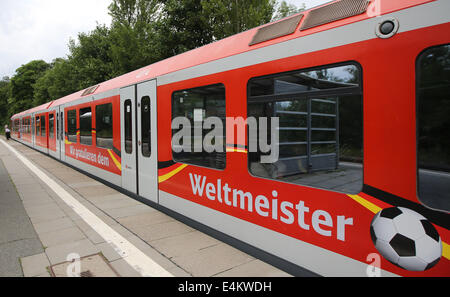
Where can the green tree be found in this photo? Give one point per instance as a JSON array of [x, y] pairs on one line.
[[284, 10], [90, 57], [182, 26], [4, 94], [22, 83], [146, 31], [188, 24], [229, 17], [58, 81], [134, 13]]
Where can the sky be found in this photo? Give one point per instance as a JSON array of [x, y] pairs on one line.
[[41, 29]]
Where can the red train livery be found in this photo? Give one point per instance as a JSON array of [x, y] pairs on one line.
[[361, 93]]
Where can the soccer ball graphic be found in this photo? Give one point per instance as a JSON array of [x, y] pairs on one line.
[[406, 239]]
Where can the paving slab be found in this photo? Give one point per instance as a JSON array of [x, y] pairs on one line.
[[63, 236], [58, 254], [163, 230], [36, 265], [92, 191], [124, 269], [117, 203], [212, 260], [91, 266], [54, 225], [128, 211], [184, 244], [255, 267], [144, 220]]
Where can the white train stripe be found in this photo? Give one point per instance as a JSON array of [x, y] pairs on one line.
[[417, 17], [131, 254]]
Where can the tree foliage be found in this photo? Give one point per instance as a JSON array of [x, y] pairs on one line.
[[229, 17], [58, 81], [4, 95], [22, 85]]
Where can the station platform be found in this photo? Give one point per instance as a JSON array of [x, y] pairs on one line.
[[56, 221]]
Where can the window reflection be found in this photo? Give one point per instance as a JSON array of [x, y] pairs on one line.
[[433, 110], [321, 128], [197, 105], [86, 126], [104, 126], [72, 126]]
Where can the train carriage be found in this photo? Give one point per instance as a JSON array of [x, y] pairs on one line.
[[359, 90]]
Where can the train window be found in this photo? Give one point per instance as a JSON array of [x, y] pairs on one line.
[[194, 106], [86, 126], [104, 125], [433, 126], [51, 125], [61, 128], [72, 126], [320, 127], [43, 128], [58, 123], [128, 122], [145, 127], [38, 126]]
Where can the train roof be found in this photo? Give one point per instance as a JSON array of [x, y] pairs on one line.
[[242, 42]]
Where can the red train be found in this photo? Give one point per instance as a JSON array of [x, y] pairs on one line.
[[361, 92]]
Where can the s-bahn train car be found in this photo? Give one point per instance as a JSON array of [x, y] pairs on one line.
[[356, 94]]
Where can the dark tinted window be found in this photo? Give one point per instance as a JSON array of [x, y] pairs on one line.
[[307, 81], [86, 126], [38, 126], [72, 126], [51, 126], [104, 126], [433, 126], [196, 105], [61, 128], [128, 124], [320, 129], [43, 126], [145, 126]]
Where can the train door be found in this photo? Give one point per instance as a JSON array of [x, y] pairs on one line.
[[33, 129], [147, 141], [52, 135], [61, 145], [128, 136]]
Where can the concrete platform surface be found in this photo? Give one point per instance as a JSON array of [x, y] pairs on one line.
[[40, 229]]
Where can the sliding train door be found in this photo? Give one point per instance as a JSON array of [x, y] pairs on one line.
[[128, 136], [139, 140], [147, 141], [61, 134], [53, 137]]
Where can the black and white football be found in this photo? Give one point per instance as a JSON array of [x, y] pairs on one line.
[[406, 239]]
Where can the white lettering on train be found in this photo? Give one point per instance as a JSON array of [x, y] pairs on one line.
[[88, 156], [320, 220]]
